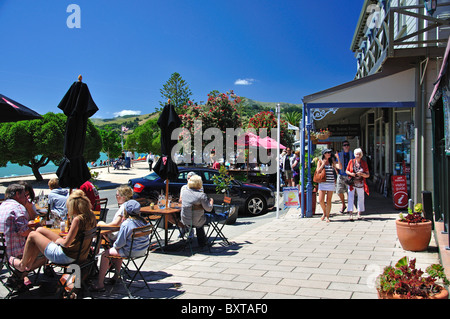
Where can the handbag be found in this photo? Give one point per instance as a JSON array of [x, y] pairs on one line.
[[349, 181], [320, 177]]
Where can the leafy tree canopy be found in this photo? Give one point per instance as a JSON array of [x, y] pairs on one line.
[[35, 143]]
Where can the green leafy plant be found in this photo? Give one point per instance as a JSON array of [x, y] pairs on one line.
[[222, 181], [415, 216], [409, 282]]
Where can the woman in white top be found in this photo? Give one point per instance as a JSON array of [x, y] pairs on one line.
[[123, 194], [327, 188]]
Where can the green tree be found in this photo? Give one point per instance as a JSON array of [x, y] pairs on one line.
[[37, 142], [110, 142], [145, 138], [293, 117], [177, 90]]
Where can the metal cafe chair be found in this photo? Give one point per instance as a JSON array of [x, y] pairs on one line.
[[101, 215], [4, 263], [129, 262], [218, 219], [89, 247]]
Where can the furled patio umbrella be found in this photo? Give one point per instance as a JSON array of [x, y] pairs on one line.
[[12, 111], [168, 121], [78, 106]]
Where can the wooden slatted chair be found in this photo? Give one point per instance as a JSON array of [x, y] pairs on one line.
[[129, 262], [89, 248]]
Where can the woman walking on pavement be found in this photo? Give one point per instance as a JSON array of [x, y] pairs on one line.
[[328, 164], [359, 170]]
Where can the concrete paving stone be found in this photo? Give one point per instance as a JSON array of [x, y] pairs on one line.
[[338, 278], [215, 275], [272, 267], [226, 284], [310, 282], [346, 266], [365, 296], [202, 289], [266, 288], [244, 271], [315, 293], [317, 270], [257, 278], [237, 294], [271, 295], [283, 274], [350, 287]]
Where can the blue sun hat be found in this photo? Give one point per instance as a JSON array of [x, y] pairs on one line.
[[132, 207]]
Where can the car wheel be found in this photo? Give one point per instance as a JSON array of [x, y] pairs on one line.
[[255, 205]]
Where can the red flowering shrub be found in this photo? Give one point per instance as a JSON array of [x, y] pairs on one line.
[[268, 120]]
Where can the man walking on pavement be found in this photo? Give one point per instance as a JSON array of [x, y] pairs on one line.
[[286, 163], [341, 188]]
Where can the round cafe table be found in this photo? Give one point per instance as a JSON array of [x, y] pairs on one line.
[[163, 212]]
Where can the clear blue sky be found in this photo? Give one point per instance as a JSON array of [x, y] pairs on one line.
[[281, 50]]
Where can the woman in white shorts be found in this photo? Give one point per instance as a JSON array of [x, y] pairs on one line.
[[327, 188]]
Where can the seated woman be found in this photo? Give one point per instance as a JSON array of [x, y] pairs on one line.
[[194, 203], [122, 245], [123, 194], [61, 250]]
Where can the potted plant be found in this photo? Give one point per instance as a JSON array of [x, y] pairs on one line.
[[404, 281], [223, 183], [413, 230]]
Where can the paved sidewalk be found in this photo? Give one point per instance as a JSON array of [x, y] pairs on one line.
[[284, 258]]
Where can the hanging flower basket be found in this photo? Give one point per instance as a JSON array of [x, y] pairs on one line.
[[323, 135]]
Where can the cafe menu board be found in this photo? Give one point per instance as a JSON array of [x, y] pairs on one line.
[[399, 191], [291, 199]]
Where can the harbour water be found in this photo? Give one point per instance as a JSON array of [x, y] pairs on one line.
[[12, 170]]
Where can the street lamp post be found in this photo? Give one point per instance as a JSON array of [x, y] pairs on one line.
[[309, 185], [278, 159]]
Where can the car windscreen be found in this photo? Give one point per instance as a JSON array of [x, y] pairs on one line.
[[151, 177]]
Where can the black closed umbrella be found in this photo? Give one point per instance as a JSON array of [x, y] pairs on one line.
[[168, 121], [78, 106], [12, 111]]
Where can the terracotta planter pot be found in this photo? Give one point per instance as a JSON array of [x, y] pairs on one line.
[[414, 237], [443, 294]]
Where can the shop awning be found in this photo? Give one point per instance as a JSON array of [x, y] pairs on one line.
[[395, 88], [436, 94]]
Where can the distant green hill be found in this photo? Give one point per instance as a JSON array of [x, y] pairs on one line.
[[249, 108]]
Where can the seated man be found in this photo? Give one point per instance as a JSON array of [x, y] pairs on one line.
[[14, 224], [57, 198]]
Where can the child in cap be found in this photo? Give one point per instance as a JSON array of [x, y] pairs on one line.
[[122, 245]]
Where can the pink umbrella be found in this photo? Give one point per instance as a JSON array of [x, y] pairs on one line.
[[249, 140], [269, 143]]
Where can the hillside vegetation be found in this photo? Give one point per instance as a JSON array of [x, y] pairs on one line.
[[248, 109]]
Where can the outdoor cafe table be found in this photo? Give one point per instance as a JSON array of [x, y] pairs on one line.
[[163, 212]]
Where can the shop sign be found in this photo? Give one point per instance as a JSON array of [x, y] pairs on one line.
[[344, 130], [399, 191]]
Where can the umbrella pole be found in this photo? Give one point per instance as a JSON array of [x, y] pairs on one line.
[[167, 193]]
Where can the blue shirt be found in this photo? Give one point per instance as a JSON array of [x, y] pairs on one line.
[[124, 237], [344, 161]]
